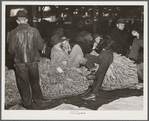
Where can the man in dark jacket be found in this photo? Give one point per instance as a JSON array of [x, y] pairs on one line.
[[25, 41], [104, 60], [117, 36]]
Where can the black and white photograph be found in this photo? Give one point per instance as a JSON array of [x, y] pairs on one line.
[[74, 60]]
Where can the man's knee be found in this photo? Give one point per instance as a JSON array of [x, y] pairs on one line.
[[76, 46], [82, 59], [79, 56]]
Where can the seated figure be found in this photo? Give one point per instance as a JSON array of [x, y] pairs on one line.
[[114, 71], [61, 57]]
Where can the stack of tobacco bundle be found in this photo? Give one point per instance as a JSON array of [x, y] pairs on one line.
[[12, 95], [140, 71], [122, 73], [55, 84]]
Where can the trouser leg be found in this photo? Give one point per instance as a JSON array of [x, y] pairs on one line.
[[76, 50], [105, 61], [79, 60], [76, 56], [91, 59], [34, 82], [22, 79]]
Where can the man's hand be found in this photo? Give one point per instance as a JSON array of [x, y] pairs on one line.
[[135, 33], [44, 48], [94, 53]]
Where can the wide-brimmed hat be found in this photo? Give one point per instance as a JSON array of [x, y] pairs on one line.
[[21, 13], [121, 20], [55, 39]]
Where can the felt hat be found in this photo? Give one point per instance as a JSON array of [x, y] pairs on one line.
[[63, 38], [55, 39], [121, 20], [21, 13], [97, 35]]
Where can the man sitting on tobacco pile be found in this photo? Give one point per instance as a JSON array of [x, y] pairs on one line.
[[114, 72], [60, 56], [104, 59]]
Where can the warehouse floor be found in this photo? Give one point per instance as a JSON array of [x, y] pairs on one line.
[[105, 97]]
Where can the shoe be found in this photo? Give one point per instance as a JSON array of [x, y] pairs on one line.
[[93, 68], [90, 77], [90, 96], [45, 104], [93, 73]]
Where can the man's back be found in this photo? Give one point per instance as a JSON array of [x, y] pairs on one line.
[[24, 42]]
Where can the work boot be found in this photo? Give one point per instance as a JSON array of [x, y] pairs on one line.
[[90, 96], [90, 77]]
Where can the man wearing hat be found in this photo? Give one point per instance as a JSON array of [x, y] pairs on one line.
[[25, 41], [60, 57], [117, 36], [104, 59]]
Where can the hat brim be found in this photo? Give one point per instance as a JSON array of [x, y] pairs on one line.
[[120, 23], [22, 16]]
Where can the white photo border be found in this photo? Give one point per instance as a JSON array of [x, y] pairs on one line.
[[65, 115]]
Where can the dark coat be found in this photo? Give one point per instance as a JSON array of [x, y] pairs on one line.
[[120, 45], [25, 41]]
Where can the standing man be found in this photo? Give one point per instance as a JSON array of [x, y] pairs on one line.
[[136, 45], [25, 41], [117, 36]]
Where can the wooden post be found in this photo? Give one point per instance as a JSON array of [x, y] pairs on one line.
[[34, 14], [94, 19]]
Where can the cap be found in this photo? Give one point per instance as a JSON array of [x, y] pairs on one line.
[[55, 39], [97, 35], [64, 38], [121, 20], [21, 13]]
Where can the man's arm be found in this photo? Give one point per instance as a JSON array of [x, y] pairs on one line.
[[11, 43], [40, 41]]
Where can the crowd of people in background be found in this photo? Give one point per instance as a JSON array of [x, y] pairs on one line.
[[26, 43]]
